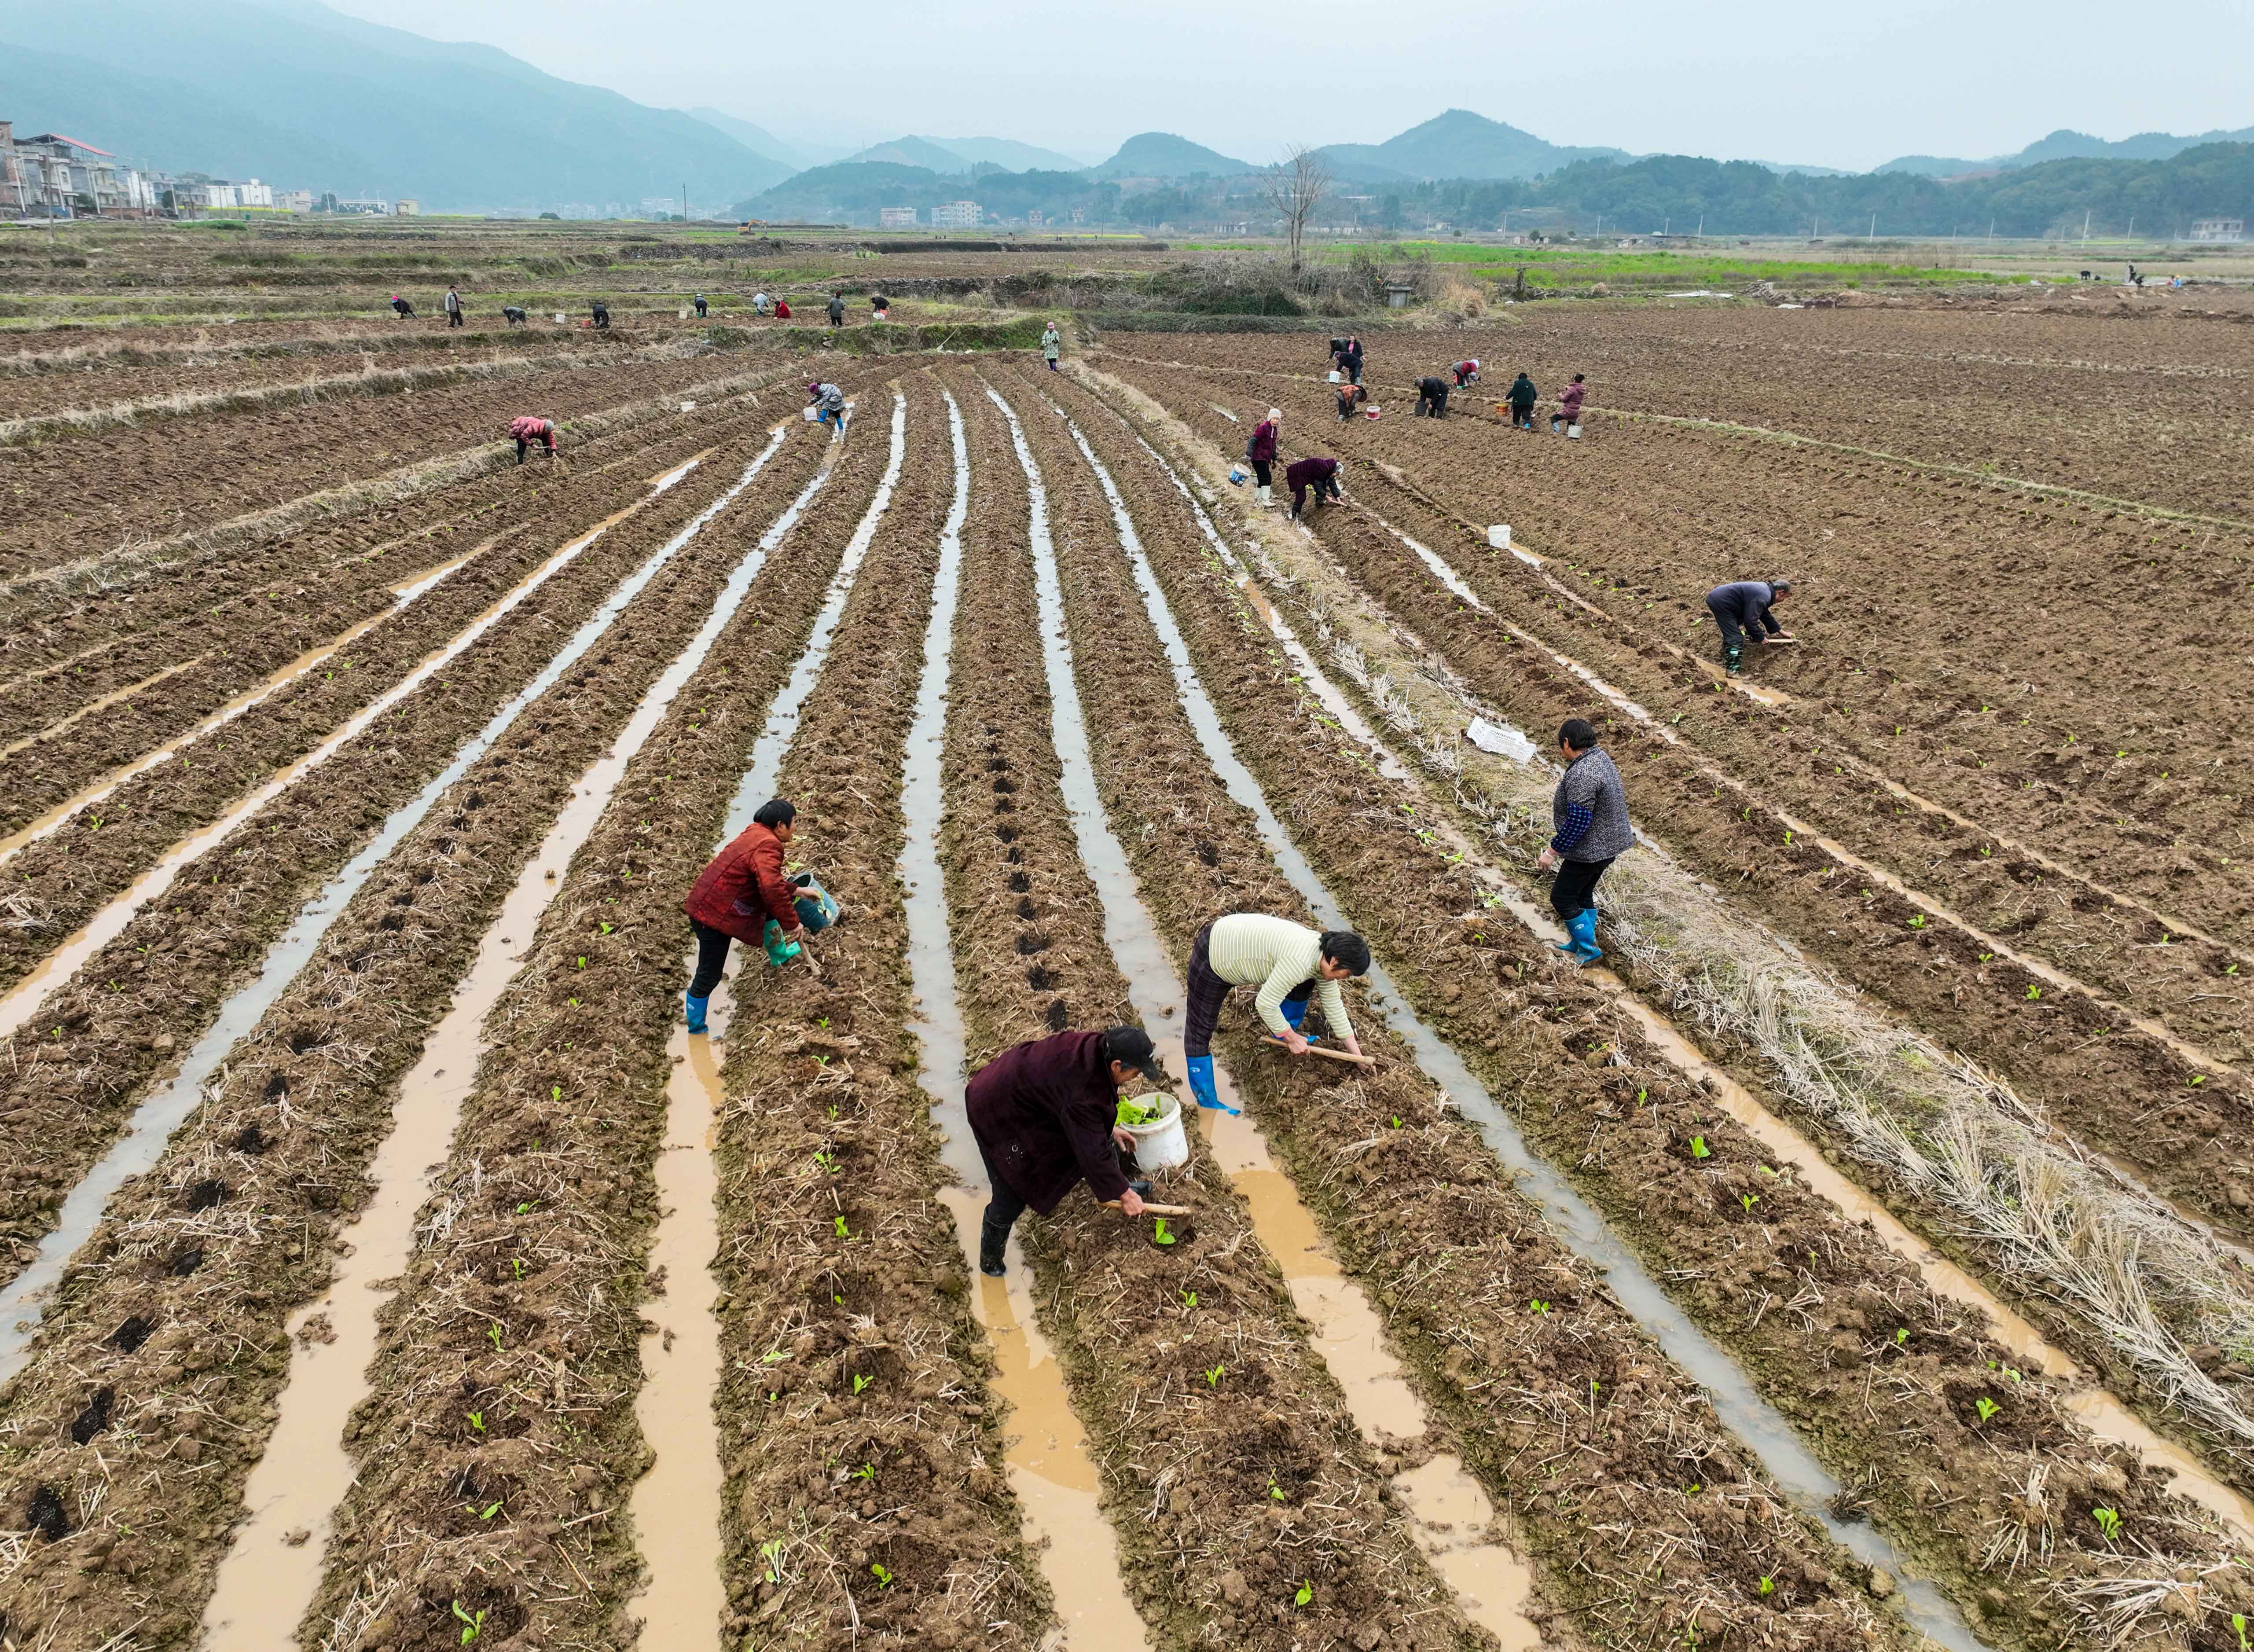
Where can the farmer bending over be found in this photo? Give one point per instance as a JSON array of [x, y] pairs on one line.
[[831, 401], [1322, 474], [527, 430], [1742, 611], [1588, 813], [1466, 372], [601, 311], [1046, 1114], [1432, 398], [1289, 963], [401, 308], [1350, 396], [744, 895]]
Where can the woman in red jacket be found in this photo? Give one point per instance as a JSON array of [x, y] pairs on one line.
[[1261, 450], [744, 895]]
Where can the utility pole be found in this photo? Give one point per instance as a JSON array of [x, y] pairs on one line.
[[1873, 235], [684, 203], [2085, 226]]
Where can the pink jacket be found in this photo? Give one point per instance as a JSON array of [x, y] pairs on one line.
[[1570, 402], [528, 429]]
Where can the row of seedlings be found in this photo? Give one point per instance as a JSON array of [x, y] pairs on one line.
[[1974, 1467], [863, 1448], [1248, 1507], [508, 1361], [130, 1010], [151, 1387]]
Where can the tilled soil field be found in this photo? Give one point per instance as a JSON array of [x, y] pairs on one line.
[[2018, 909], [1690, 1396], [1732, 1238], [197, 469]]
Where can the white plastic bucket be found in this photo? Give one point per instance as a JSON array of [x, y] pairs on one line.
[[813, 411], [1337, 377], [1499, 535], [1573, 432], [560, 318], [1162, 1145], [684, 315]]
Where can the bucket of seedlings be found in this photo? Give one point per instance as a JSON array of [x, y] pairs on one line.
[[1155, 1121]]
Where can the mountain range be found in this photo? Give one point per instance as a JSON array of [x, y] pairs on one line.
[[301, 95]]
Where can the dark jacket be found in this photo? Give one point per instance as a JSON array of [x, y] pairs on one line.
[[836, 309], [1262, 448], [1043, 1112], [1309, 472], [1589, 810], [1746, 602], [744, 887], [1523, 395]]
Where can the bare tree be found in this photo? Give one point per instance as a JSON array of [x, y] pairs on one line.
[[1294, 188]]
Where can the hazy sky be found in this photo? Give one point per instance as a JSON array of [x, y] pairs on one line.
[[1834, 86]]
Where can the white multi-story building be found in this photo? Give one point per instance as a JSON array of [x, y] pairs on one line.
[[957, 214], [897, 217], [2218, 229]]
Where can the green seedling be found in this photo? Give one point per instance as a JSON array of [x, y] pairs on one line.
[[1901, 1336], [2198, 1079], [475, 1623], [2033, 993], [555, 1092], [1749, 1200], [1768, 1585], [517, 1262], [1396, 1121], [843, 1232], [478, 1421], [1985, 956], [1698, 1148], [772, 1553], [606, 927], [822, 1021], [1640, 1095], [862, 1382], [2238, 1622], [1189, 1299], [1162, 1235], [773, 1356], [1274, 1490], [581, 962], [526, 1206], [1305, 1594], [884, 1578], [2230, 968], [826, 1161], [489, 1511], [1986, 1407], [574, 1002], [493, 1336], [1918, 922], [1213, 1377], [867, 1471], [2108, 1521], [1538, 1305]]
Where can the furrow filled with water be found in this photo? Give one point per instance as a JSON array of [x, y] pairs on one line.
[[1220, 1432]]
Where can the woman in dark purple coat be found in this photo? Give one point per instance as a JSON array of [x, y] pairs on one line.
[[1046, 1114]]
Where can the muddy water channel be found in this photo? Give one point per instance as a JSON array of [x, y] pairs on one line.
[[1449, 1515], [1578, 1222], [1049, 1466]]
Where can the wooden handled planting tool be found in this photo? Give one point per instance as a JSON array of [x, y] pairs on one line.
[[1330, 1055], [1150, 1210]]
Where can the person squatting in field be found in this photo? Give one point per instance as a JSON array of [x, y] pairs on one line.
[[1260, 449], [1588, 817], [601, 312], [831, 401], [1045, 1114], [744, 894], [1741, 610], [1522, 396], [1432, 398], [1466, 372], [528, 428], [514, 314], [1350, 396], [1569, 405], [401, 308], [1320, 475], [1289, 963]]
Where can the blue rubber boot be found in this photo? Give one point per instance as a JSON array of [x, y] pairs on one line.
[[696, 1012], [1581, 936], [1295, 1014], [1201, 1069]]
